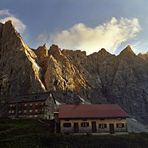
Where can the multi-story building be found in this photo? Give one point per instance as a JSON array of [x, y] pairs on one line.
[[32, 106]]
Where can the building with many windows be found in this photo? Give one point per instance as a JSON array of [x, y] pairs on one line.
[[32, 106], [92, 118]]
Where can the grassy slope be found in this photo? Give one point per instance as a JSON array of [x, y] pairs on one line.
[[34, 134]]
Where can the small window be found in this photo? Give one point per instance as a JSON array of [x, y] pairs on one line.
[[30, 111], [9, 111], [66, 124], [36, 110], [25, 104], [25, 111], [12, 111], [30, 104], [120, 125], [12, 105], [102, 126], [84, 124]]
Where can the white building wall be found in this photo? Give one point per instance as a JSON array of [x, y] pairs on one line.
[[89, 128]]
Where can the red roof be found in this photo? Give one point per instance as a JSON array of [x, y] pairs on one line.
[[91, 111]]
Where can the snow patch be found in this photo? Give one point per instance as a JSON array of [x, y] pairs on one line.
[[135, 126], [57, 102], [83, 101]]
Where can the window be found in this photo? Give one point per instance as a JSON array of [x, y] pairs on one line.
[[12, 111], [66, 124], [30, 104], [25, 111], [25, 104], [36, 110], [30, 111], [9, 111], [19, 111], [12, 105], [42, 103], [120, 125], [103, 126], [84, 124]]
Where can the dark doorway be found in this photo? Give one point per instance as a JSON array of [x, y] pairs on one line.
[[57, 127], [94, 128], [76, 127], [111, 128]]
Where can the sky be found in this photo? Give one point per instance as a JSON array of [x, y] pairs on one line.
[[80, 24]]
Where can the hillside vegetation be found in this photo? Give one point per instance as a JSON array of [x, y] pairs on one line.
[[37, 134]]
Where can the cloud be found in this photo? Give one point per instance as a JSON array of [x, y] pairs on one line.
[[4, 12], [5, 15], [108, 35]]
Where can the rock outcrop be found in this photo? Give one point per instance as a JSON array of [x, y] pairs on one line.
[[61, 74], [144, 56], [97, 78], [19, 72]]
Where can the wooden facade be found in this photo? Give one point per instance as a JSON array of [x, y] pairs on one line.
[[32, 107]]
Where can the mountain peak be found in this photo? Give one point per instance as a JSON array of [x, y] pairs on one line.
[[143, 56], [127, 51], [42, 51], [54, 49], [103, 52], [44, 46], [146, 53], [8, 24], [9, 36]]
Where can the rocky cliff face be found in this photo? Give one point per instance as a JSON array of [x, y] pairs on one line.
[[144, 56], [19, 72], [97, 78], [101, 77]]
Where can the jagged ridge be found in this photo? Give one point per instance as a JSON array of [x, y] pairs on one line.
[[100, 77]]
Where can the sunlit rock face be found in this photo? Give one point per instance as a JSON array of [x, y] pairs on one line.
[[61, 73], [144, 56], [98, 78], [101, 77], [19, 72]]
